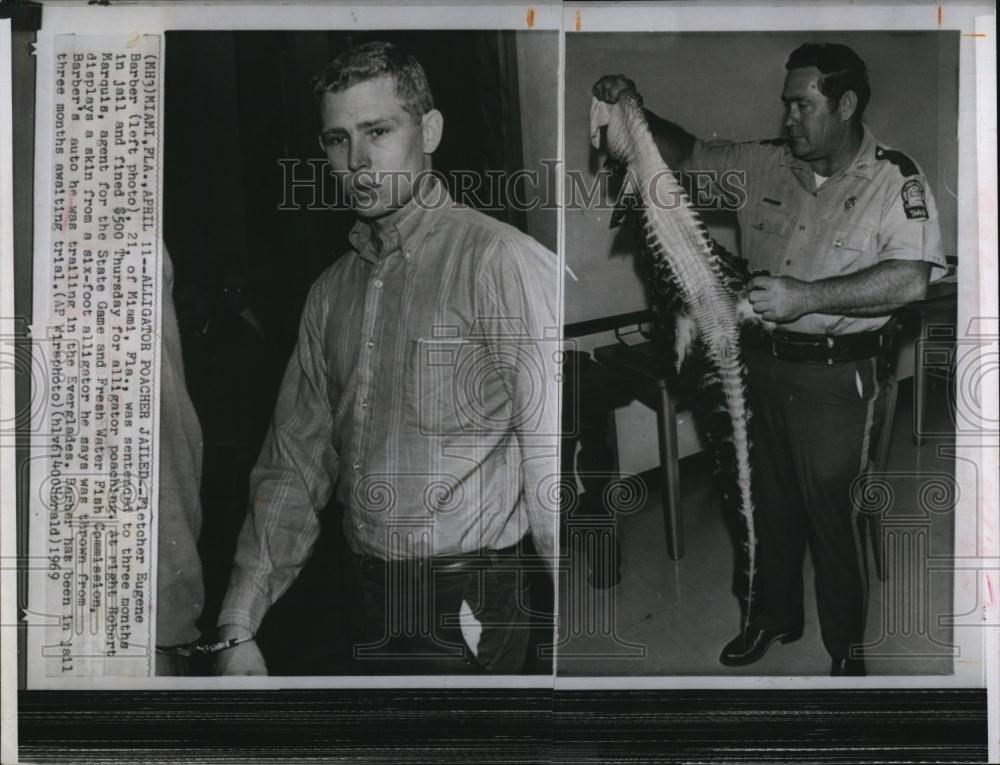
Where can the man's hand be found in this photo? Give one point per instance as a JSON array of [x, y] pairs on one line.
[[610, 86], [243, 659], [779, 299]]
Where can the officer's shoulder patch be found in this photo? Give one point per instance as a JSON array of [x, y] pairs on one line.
[[773, 142], [914, 202], [906, 165]]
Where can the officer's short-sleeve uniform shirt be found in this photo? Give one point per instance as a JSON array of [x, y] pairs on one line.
[[878, 208]]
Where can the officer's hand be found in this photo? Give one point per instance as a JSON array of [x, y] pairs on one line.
[[610, 86], [779, 299], [242, 659]]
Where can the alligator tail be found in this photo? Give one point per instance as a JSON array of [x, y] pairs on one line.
[[684, 256]]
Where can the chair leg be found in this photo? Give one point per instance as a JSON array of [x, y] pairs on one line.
[[666, 420], [861, 525], [919, 389], [875, 536], [881, 456]]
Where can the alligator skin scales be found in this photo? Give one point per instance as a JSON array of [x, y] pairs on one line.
[[711, 302]]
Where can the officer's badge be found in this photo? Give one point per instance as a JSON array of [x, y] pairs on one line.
[[849, 203], [914, 203]]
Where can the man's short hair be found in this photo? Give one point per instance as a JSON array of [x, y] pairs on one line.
[[372, 60], [842, 70]]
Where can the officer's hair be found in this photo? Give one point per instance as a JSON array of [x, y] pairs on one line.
[[370, 61], [842, 70]]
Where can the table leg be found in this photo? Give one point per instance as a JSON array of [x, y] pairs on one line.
[[666, 417]]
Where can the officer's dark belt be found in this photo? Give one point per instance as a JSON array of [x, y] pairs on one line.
[[823, 349]]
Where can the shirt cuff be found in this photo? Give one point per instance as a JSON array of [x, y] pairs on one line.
[[939, 267], [242, 608], [938, 271]]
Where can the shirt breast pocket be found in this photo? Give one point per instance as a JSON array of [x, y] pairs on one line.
[[452, 383], [772, 223], [853, 246], [769, 238]]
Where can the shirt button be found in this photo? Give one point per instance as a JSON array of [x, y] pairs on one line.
[[802, 228], [378, 283], [371, 343], [364, 404], [357, 466]]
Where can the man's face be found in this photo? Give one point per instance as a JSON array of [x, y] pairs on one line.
[[376, 147], [813, 129]]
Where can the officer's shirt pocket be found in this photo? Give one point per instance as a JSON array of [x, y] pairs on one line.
[[771, 222], [851, 248], [769, 236]]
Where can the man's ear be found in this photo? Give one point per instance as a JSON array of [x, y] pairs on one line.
[[432, 124], [848, 105]]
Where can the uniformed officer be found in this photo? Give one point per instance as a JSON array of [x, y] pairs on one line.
[[847, 231]]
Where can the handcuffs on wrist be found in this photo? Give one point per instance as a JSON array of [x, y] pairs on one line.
[[187, 650]]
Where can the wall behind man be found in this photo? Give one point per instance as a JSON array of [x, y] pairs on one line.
[[538, 88], [728, 85]]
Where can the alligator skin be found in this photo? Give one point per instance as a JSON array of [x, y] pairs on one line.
[[704, 288]]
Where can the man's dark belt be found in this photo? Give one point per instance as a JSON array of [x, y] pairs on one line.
[[477, 560], [824, 349]]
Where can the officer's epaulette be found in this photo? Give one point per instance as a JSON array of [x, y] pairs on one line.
[[773, 142], [906, 165]]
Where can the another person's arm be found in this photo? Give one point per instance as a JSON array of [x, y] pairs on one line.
[[291, 482]]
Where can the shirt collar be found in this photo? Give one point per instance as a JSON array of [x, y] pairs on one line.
[[790, 161], [404, 229], [862, 165]]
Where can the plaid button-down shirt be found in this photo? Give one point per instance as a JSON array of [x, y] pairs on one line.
[[423, 389], [854, 220]]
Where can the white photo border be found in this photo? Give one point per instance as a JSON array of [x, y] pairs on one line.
[[976, 170]]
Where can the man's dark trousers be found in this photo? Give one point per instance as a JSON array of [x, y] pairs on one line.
[[409, 620]]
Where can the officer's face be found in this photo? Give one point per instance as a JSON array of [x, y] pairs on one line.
[[813, 127], [378, 147]]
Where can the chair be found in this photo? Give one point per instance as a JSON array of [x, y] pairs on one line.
[[644, 364], [634, 359], [935, 317], [931, 322]]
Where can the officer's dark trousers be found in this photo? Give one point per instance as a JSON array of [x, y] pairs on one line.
[[811, 427]]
